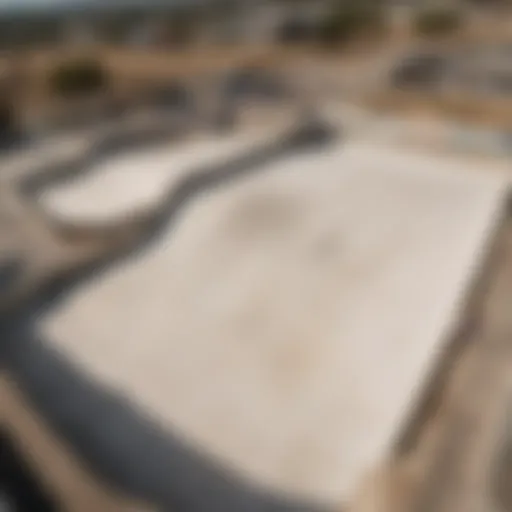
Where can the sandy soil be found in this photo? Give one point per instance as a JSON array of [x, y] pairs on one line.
[[464, 108]]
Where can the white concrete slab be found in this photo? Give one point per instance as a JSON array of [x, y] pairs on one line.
[[287, 320], [140, 179]]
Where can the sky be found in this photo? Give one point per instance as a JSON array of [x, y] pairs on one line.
[[51, 3], [30, 3], [34, 3], [44, 3], [40, 4]]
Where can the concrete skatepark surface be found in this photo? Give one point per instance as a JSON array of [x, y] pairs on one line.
[[140, 179], [150, 464], [285, 322]]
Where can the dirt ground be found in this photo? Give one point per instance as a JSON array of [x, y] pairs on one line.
[[464, 108]]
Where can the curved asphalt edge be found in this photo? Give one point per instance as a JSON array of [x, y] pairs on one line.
[[123, 447], [114, 440], [19, 487]]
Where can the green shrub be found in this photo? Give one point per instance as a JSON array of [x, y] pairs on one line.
[[180, 30], [7, 121], [78, 78], [437, 22], [350, 21]]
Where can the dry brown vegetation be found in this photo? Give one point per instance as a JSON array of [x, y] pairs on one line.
[[130, 70], [465, 108]]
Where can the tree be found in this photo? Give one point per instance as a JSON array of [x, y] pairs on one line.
[[78, 78], [348, 20], [437, 22], [180, 29]]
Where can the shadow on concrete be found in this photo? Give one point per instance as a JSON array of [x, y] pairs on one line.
[[501, 490], [124, 447], [10, 272], [113, 437], [19, 489]]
